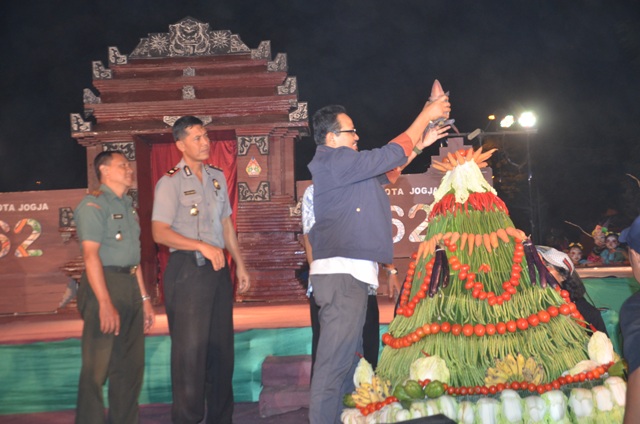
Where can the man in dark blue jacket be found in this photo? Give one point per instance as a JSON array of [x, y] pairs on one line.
[[630, 326], [351, 235]]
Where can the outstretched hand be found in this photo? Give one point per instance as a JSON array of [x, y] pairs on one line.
[[432, 135]]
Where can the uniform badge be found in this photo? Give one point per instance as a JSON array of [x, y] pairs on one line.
[[117, 216], [187, 171], [189, 192], [172, 171], [216, 184]]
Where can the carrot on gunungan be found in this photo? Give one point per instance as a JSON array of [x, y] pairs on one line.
[[503, 235], [432, 245], [494, 239], [420, 250], [454, 237], [463, 240], [487, 242], [511, 231], [470, 240]]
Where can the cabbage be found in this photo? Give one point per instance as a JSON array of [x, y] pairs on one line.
[[511, 406], [602, 398], [445, 405], [352, 416], [606, 409], [432, 408], [403, 415], [618, 389], [431, 367], [466, 412], [487, 411], [600, 348], [463, 179], [421, 407], [388, 412], [374, 418], [535, 409], [448, 406], [363, 373], [583, 366], [581, 406], [556, 407]]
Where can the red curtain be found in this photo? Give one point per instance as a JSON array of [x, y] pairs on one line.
[[223, 155]]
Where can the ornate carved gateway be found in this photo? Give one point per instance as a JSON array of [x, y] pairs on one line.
[[242, 95]]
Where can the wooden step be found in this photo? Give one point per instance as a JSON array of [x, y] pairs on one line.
[[285, 381]]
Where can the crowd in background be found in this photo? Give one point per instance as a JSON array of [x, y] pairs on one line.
[[600, 248]]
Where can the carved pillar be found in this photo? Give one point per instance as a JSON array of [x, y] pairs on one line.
[[254, 170]]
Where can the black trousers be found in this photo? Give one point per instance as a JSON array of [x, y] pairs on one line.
[[370, 331], [119, 358], [199, 306]]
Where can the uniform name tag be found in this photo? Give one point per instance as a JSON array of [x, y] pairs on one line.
[[117, 216], [189, 192]]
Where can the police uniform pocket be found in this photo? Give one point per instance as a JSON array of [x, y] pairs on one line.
[[190, 204]]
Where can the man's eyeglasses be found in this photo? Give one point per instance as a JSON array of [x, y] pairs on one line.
[[353, 131]]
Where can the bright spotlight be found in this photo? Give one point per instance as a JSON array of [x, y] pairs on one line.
[[491, 117], [527, 120], [507, 121]]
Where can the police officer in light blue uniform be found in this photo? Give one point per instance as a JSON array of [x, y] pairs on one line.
[[194, 208], [112, 298], [192, 216]]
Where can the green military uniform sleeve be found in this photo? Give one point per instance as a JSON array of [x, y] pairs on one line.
[[90, 218]]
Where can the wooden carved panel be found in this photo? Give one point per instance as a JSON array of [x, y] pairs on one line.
[[262, 194], [189, 37], [261, 142], [127, 148]]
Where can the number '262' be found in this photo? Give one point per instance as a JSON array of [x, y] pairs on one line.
[[22, 251]]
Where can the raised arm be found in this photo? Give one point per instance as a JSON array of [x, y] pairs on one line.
[[431, 111]]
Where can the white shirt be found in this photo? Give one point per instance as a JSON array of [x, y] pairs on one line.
[[360, 269]]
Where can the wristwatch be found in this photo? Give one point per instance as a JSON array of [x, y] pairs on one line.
[[392, 271]]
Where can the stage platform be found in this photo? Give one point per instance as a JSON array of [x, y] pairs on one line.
[[40, 356], [40, 361]]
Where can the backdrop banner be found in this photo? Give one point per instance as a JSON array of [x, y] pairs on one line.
[[33, 248]]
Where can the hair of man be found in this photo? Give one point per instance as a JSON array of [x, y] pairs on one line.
[[325, 120], [104, 158], [181, 126]]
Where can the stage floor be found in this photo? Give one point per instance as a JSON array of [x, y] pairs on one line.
[[21, 329], [244, 413], [28, 329]]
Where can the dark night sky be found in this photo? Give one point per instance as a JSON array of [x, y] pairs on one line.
[[577, 64]]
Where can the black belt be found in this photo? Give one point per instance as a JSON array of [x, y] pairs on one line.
[[121, 269]]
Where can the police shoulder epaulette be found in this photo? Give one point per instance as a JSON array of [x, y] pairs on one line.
[[172, 171], [214, 167], [96, 193]]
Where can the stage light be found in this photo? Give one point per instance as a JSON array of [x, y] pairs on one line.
[[491, 117], [507, 121], [527, 120]]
